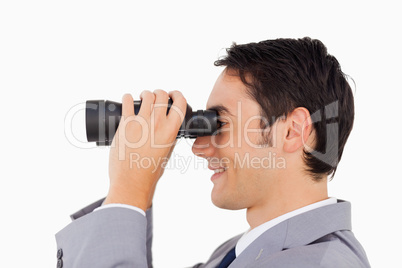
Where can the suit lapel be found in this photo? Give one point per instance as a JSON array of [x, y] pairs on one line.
[[220, 252], [266, 244]]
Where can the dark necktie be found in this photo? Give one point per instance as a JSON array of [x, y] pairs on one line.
[[229, 258]]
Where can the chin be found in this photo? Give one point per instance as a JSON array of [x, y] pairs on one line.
[[225, 202]]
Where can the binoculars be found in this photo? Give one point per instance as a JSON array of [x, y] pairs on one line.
[[102, 120]]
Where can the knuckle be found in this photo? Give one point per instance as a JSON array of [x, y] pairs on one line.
[[147, 95], [126, 97], [176, 94], [161, 93], [181, 100], [146, 92]]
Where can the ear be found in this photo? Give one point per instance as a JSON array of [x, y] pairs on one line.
[[299, 128]]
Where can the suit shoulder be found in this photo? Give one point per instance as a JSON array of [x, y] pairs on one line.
[[332, 251], [344, 247]]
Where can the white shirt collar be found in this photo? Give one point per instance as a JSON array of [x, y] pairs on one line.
[[251, 235]]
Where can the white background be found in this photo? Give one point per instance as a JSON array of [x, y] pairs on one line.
[[57, 54]]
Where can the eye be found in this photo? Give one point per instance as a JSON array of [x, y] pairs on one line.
[[220, 123]]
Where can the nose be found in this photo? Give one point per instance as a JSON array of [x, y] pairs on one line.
[[203, 147]]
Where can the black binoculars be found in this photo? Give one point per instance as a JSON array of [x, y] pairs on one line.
[[102, 120]]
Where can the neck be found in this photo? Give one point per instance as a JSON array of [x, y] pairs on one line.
[[287, 195]]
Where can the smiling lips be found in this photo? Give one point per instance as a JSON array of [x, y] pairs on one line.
[[217, 169]]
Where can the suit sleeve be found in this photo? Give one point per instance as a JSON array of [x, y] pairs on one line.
[[112, 237], [149, 236]]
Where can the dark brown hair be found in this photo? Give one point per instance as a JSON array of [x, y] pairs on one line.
[[284, 74]]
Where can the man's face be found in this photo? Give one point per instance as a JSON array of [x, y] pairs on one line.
[[248, 167]]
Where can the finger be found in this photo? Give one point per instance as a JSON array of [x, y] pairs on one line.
[[127, 111], [161, 104], [178, 109], [147, 104], [128, 105]]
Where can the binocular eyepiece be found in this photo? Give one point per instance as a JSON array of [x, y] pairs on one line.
[[102, 120]]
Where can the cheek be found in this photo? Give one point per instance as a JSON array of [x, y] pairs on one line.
[[221, 140], [228, 136], [250, 185], [250, 167]]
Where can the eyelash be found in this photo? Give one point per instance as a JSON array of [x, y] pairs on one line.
[[220, 124]]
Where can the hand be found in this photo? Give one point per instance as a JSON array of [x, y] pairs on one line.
[[142, 145], [151, 196]]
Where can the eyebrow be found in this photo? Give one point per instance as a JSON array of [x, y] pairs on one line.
[[221, 109]]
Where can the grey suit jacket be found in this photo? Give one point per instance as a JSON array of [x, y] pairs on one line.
[[120, 237]]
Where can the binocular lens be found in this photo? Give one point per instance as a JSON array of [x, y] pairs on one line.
[[102, 120]]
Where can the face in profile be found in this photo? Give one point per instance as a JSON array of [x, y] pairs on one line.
[[243, 167]]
